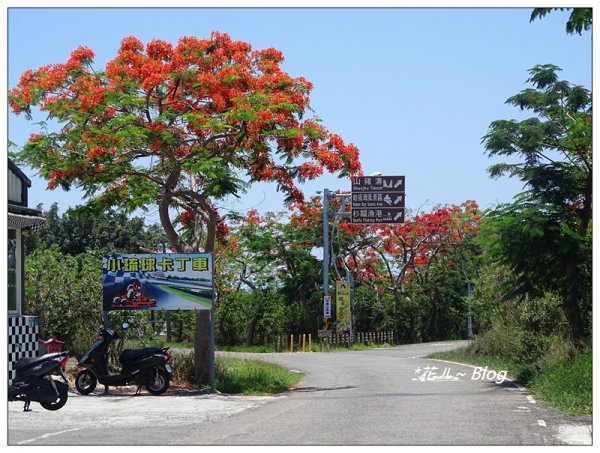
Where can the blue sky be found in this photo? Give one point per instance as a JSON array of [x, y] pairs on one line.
[[414, 88]]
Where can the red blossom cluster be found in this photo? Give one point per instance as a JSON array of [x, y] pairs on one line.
[[218, 82], [197, 100], [253, 218], [186, 219]]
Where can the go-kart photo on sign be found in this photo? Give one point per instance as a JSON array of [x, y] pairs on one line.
[[163, 281]]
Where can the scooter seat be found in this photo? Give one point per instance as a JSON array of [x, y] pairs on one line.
[[29, 361], [129, 355]]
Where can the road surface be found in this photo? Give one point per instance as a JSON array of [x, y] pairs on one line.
[[390, 396]]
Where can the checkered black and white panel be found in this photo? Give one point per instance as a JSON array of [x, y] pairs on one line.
[[20, 221], [120, 277], [23, 337]]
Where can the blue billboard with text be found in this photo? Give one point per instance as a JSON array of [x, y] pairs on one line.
[[161, 281]]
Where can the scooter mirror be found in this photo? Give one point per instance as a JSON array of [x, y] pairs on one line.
[[125, 325]]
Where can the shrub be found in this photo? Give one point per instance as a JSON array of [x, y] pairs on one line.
[[183, 369], [65, 292]]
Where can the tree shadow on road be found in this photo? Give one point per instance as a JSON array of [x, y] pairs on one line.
[[319, 389]]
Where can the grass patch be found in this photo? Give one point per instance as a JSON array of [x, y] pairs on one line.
[[566, 385], [253, 377], [233, 375]]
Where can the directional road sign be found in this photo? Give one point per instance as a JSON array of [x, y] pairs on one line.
[[378, 199], [369, 216], [378, 184]]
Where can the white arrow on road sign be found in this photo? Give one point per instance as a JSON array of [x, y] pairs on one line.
[[398, 215], [398, 183], [398, 200]]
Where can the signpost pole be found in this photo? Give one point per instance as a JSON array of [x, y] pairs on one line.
[[351, 284], [213, 386], [325, 249]]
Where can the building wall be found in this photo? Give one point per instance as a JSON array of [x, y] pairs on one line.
[[15, 188], [23, 331], [23, 334]]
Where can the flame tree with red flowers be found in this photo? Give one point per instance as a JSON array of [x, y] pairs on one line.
[[176, 127], [387, 258], [425, 247]]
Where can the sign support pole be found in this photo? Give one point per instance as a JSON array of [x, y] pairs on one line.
[[325, 249], [213, 385], [351, 283]]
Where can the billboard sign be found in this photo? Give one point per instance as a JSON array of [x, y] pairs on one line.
[[161, 281]]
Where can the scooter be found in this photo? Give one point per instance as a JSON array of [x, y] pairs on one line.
[[145, 367], [34, 381]]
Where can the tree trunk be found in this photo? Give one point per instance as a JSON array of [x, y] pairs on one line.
[[180, 331], [574, 318], [571, 305], [251, 330], [202, 356], [223, 337], [434, 319]]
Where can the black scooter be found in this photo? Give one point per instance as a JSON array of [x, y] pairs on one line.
[[144, 367], [34, 381]]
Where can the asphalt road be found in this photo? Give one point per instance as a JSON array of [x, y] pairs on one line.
[[386, 396]]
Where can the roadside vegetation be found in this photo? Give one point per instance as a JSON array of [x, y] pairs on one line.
[[530, 338], [564, 384], [253, 377], [238, 376]]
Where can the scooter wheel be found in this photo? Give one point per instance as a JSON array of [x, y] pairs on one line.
[[160, 384], [85, 382], [61, 399]]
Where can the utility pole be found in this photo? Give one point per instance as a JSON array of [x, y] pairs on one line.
[[326, 244]]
